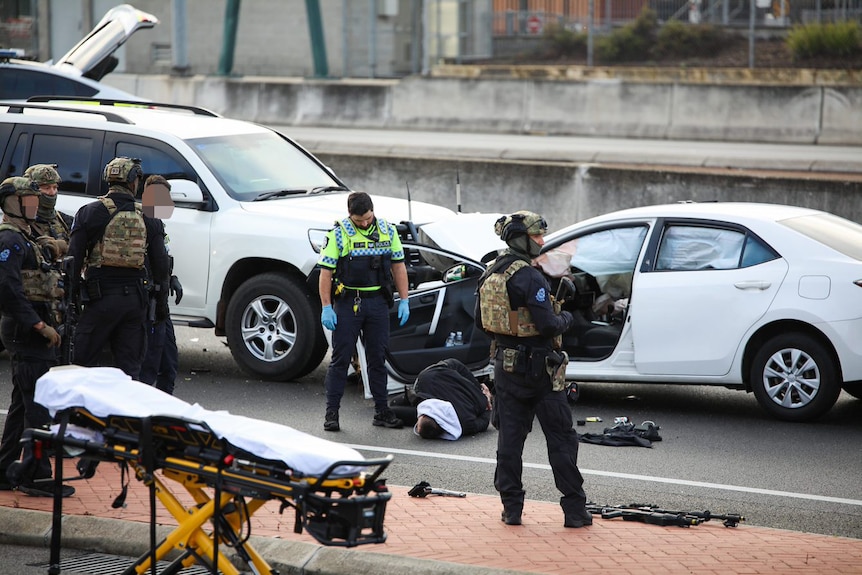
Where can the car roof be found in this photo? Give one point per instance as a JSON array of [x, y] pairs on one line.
[[184, 122], [741, 212]]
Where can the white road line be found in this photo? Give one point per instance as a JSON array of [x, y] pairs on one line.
[[635, 477]]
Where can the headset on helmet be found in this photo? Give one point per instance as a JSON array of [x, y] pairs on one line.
[[123, 170], [521, 222], [43, 174]]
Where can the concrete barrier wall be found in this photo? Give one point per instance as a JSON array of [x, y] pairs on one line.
[[597, 107], [568, 192]]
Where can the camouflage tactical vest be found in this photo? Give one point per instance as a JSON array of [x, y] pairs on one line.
[[41, 286], [497, 313], [124, 243]]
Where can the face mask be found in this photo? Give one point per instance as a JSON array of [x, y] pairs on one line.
[[46, 206], [533, 248]]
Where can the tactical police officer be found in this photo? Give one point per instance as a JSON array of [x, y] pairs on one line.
[[515, 306], [51, 227], [29, 290], [364, 254], [161, 362], [111, 239]]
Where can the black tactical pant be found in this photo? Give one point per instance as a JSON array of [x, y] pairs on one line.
[[118, 319], [24, 413], [517, 402]]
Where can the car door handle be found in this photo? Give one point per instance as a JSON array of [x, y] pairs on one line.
[[753, 284], [427, 298]]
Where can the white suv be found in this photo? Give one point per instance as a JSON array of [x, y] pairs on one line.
[[252, 207]]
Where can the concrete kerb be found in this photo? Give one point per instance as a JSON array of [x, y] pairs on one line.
[[131, 539]]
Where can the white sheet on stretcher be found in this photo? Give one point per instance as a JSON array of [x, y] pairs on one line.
[[105, 391]]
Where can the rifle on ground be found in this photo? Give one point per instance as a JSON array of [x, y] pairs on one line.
[[655, 515], [424, 489]]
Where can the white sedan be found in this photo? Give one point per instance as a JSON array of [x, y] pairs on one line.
[[761, 297]]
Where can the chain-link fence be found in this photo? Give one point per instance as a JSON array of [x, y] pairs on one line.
[[530, 17]]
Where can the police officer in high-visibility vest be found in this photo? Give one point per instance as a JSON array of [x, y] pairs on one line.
[[111, 238], [29, 290], [51, 228], [516, 307], [363, 254]]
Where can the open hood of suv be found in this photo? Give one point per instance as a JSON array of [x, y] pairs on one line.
[[92, 57]]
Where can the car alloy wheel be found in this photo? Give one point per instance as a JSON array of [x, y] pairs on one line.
[[794, 378]]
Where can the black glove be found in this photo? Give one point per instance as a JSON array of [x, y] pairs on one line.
[[176, 289]]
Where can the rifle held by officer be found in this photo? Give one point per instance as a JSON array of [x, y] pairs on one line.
[[69, 308]]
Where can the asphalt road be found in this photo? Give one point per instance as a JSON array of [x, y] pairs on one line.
[[719, 451], [537, 147]]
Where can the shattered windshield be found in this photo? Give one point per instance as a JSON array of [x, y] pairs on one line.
[[251, 165]]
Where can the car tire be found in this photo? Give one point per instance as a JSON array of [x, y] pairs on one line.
[[318, 352], [794, 378], [271, 329]]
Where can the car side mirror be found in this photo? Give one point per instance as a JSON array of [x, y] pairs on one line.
[[186, 192]]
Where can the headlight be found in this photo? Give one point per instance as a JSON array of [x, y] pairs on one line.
[[317, 238]]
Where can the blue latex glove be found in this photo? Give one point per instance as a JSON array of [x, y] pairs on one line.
[[328, 318], [403, 311]]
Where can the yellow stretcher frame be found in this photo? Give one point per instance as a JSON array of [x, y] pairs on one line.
[[343, 508]]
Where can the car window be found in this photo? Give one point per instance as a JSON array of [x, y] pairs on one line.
[[686, 248], [606, 252], [72, 156], [19, 84], [156, 160], [756, 252], [838, 233], [248, 165], [16, 166]]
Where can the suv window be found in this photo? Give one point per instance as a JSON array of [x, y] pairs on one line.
[[71, 154], [248, 165], [156, 157], [19, 84]]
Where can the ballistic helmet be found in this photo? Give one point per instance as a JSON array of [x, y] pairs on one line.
[[521, 222], [123, 170], [43, 174], [19, 186]]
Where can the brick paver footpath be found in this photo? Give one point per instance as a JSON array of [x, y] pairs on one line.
[[469, 531]]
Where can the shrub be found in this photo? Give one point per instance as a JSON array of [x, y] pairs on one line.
[[829, 40], [676, 39], [633, 42], [563, 42]]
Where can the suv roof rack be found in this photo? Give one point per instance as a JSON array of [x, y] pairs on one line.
[[19, 107], [197, 110]]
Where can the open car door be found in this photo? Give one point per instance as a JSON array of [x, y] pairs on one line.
[[442, 297]]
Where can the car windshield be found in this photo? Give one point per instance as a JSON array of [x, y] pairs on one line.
[[261, 165], [836, 232]]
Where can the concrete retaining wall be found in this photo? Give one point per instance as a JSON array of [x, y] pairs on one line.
[[594, 107], [567, 192]]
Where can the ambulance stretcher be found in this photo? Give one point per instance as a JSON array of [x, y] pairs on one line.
[[231, 466]]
